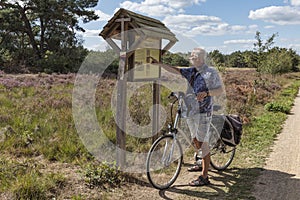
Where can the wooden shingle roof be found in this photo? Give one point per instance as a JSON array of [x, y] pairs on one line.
[[150, 27]]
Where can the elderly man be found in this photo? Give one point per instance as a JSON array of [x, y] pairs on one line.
[[204, 83]]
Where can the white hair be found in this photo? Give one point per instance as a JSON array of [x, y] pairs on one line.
[[201, 53]]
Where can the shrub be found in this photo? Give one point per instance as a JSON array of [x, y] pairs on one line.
[[277, 61], [103, 174], [283, 107]]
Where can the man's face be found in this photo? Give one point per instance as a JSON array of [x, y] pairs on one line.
[[195, 60]]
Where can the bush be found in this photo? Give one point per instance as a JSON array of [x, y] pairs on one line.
[[277, 61], [283, 107], [103, 174]]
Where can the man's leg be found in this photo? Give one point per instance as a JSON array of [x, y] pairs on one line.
[[198, 162], [203, 178], [206, 156], [205, 159]]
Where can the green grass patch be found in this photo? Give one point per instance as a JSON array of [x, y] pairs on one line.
[[24, 180], [258, 137]]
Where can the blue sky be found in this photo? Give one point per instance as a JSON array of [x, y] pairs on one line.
[[225, 25]]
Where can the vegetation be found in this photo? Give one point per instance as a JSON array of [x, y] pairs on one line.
[[42, 156], [258, 136], [41, 35], [175, 59], [103, 175], [265, 58], [43, 41]]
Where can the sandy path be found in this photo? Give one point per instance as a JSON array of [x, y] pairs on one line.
[[280, 178]]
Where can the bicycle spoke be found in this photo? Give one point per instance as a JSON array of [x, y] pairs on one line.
[[222, 156], [164, 162]]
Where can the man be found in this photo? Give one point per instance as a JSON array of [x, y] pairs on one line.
[[204, 83]]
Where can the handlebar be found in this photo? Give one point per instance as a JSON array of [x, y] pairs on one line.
[[176, 94], [181, 95]]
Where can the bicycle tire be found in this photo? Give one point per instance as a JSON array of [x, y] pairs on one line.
[[221, 155], [161, 173]]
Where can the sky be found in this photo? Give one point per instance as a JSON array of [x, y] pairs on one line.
[[224, 25]]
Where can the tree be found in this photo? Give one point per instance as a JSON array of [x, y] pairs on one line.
[[236, 59], [174, 59], [261, 47], [217, 58], [279, 60], [43, 28]]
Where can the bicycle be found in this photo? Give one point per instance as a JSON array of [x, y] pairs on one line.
[[165, 157]]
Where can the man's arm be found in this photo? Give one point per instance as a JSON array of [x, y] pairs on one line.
[[168, 68], [216, 92]]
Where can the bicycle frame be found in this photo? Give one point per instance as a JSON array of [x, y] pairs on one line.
[[174, 129], [166, 159]]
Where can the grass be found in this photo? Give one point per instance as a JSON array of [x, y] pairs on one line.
[[103, 175], [36, 121], [25, 180], [257, 139]]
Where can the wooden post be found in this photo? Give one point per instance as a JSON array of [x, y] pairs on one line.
[[122, 95], [156, 102]]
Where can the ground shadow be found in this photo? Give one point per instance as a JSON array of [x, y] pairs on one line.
[[235, 183], [277, 185]]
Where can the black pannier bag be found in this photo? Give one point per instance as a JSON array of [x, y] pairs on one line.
[[232, 130]]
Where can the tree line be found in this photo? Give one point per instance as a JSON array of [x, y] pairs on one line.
[[263, 57], [40, 36]]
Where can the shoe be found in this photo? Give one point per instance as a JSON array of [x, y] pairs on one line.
[[195, 168], [200, 181], [198, 160]]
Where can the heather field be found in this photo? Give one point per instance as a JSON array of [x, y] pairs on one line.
[[42, 156]]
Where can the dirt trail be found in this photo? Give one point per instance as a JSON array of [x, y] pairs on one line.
[[180, 190], [280, 178]]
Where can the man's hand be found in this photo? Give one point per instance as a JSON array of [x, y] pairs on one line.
[[201, 96]]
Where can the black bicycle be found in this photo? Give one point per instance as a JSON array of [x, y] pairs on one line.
[[165, 156]]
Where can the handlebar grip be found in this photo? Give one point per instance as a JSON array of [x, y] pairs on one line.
[[171, 95]]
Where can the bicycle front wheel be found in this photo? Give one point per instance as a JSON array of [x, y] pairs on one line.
[[164, 162], [221, 155]]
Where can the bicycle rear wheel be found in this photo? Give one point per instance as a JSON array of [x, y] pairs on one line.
[[164, 162], [221, 155]]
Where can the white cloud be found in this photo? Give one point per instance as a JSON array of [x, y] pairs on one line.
[[151, 9], [193, 25], [102, 16], [253, 26], [238, 28], [159, 7], [190, 25], [281, 15], [295, 47], [89, 33], [295, 2], [269, 27], [241, 41]]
